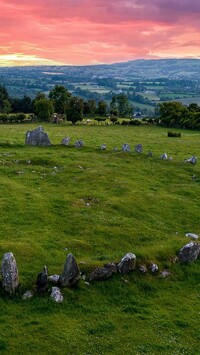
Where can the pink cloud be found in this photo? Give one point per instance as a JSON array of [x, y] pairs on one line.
[[87, 31]]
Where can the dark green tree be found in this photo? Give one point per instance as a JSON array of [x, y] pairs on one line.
[[75, 109], [60, 97], [43, 109], [101, 108]]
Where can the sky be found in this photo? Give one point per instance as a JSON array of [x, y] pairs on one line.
[[85, 32]]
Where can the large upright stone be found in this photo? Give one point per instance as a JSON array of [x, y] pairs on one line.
[[189, 252], [71, 272], [127, 263], [42, 281], [9, 271], [37, 137]]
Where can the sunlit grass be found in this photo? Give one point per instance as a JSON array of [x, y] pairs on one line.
[[100, 205]]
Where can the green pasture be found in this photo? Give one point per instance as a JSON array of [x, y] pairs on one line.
[[99, 205]]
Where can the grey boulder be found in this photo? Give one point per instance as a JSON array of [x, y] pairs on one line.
[[37, 137], [127, 263], [189, 252], [71, 272], [104, 273]]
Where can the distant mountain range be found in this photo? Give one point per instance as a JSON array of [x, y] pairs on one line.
[[134, 69]]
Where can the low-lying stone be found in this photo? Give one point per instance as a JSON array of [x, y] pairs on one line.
[[103, 147], [189, 252], [127, 263], [27, 295], [71, 272], [54, 278], [9, 272], [126, 148], [138, 148], [42, 281], [192, 236], [164, 156], [79, 144], [153, 267], [56, 295], [150, 154], [65, 141], [37, 137], [192, 160], [143, 269], [104, 273]]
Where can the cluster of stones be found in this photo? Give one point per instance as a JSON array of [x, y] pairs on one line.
[[38, 137], [71, 273]]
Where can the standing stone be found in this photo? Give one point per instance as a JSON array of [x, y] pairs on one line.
[[9, 271], [164, 156], [189, 252], [103, 147], [127, 263], [56, 295], [138, 148], [65, 141], [71, 272], [150, 154], [78, 144], [37, 137], [153, 267], [192, 160], [42, 281], [126, 148]]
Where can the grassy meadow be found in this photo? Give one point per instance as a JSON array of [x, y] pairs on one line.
[[99, 205]]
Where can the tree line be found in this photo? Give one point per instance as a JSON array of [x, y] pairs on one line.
[[175, 114], [60, 103]]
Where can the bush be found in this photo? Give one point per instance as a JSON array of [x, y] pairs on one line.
[[173, 134]]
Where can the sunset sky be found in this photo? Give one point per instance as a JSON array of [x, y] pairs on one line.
[[79, 32]]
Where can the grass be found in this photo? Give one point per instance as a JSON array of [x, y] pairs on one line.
[[100, 205]]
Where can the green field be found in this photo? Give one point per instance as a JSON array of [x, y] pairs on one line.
[[100, 205]]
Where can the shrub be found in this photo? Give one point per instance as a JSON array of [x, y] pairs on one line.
[[173, 134]]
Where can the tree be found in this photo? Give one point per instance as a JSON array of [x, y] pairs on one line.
[[101, 108], [75, 109], [60, 97], [120, 106], [5, 106], [89, 107], [43, 108]]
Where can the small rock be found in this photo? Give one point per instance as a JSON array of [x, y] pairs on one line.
[[150, 154], [192, 160], [115, 149], [54, 278], [170, 158], [127, 263], [138, 148], [143, 269], [165, 273], [79, 144], [27, 295], [65, 141], [153, 267], [126, 148], [83, 277], [164, 156], [103, 147], [192, 236], [56, 295]]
